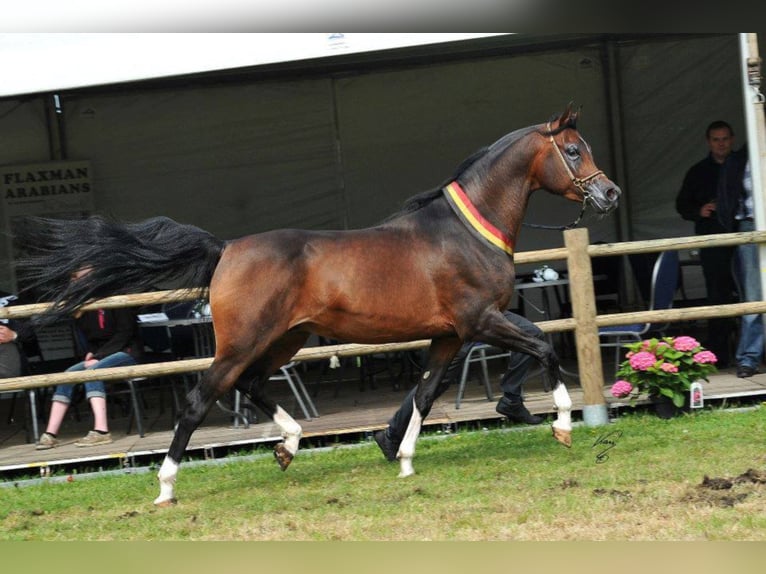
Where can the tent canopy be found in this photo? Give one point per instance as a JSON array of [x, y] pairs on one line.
[[69, 61], [339, 137]]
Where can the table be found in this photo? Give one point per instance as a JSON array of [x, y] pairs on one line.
[[547, 287], [202, 330], [562, 300], [547, 311], [203, 345]]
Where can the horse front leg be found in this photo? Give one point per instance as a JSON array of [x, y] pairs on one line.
[[428, 390], [511, 332], [201, 398], [562, 426]]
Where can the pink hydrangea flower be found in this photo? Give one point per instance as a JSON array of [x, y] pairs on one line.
[[642, 361], [705, 357], [669, 367], [621, 389], [685, 343]]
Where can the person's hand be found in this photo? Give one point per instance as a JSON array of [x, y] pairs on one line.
[[90, 360], [7, 335], [708, 209]]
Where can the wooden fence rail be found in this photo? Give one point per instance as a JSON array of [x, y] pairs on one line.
[[584, 322]]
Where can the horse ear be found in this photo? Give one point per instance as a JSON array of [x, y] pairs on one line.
[[569, 117]]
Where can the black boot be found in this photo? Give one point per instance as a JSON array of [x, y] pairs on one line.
[[516, 412], [387, 445]]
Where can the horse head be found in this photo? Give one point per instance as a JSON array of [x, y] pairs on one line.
[[565, 166]]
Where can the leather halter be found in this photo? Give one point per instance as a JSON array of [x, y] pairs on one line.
[[579, 183]]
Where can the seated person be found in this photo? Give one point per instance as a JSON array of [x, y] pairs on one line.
[[106, 338], [15, 337]]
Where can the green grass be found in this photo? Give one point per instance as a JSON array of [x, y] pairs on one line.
[[481, 485]]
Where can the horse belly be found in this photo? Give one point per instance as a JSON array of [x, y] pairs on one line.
[[352, 328], [380, 305]]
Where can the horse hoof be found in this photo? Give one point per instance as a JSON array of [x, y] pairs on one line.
[[563, 436], [167, 503], [284, 457]]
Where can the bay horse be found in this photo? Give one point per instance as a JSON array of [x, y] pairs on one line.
[[441, 269]]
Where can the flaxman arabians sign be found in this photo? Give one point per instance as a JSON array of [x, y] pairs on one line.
[[52, 189], [62, 187]]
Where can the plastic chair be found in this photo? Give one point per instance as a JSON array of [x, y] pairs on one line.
[[31, 425], [289, 374], [135, 407], [607, 281], [479, 353], [663, 289]]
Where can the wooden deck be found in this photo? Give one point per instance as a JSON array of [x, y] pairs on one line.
[[352, 413]]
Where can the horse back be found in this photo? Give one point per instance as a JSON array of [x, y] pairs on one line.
[[381, 284]]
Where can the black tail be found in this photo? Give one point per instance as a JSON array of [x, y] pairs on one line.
[[123, 257]]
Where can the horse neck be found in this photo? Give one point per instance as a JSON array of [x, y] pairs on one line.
[[500, 186]]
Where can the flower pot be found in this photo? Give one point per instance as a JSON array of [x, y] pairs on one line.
[[665, 408]]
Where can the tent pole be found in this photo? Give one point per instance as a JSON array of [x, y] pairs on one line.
[[756, 135]]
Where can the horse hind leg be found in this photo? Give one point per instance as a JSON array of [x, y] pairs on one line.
[[291, 431], [201, 398], [251, 384], [285, 451]]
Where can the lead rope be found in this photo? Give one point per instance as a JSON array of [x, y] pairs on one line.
[[572, 225]]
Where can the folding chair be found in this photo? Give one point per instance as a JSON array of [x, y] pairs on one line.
[[663, 289]]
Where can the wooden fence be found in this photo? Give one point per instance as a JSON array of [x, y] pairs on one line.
[[584, 321]]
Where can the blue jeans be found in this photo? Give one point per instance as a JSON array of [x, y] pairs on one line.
[[751, 338], [63, 393]]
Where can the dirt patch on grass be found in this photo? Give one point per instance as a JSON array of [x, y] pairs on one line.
[[725, 492]]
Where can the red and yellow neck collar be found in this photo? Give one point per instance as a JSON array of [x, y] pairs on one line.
[[467, 212]]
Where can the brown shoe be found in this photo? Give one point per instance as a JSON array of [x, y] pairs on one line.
[[94, 438], [47, 440]]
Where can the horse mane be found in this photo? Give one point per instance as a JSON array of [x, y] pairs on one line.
[[424, 198], [488, 155]]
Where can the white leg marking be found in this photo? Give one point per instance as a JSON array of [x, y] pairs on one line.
[[407, 446], [291, 430], [563, 403], [167, 476]]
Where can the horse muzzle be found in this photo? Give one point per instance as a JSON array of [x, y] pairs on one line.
[[604, 195]]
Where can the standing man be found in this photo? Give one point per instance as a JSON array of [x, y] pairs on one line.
[[701, 193], [736, 214]]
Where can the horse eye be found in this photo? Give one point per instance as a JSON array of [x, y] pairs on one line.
[[573, 151]]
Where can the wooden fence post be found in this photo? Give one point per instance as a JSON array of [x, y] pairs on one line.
[[586, 330]]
